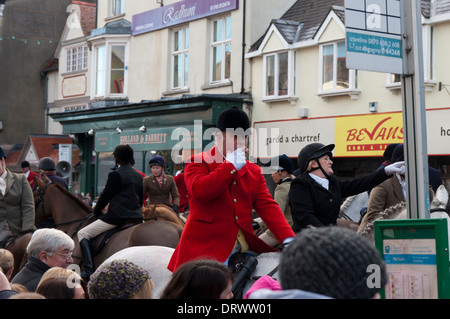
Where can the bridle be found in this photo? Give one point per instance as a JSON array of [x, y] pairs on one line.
[[40, 203]]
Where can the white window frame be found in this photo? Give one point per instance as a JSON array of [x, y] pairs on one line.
[[352, 90], [224, 42], [184, 50], [117, 7], [81, 58], [428, 63], [108, 44], [291, 94]]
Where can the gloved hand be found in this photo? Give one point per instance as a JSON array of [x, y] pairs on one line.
[[237, 158], [175, 209], [396, 168]]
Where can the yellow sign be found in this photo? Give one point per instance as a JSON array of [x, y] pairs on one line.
[[367, 135]]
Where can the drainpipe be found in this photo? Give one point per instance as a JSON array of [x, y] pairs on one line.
[[243, 47]]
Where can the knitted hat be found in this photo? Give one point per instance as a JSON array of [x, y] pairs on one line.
[[119, 279], [332, 261], [233, 118]]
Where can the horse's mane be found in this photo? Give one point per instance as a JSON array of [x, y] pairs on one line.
[[347, 203], [388, 213], [79, 202]]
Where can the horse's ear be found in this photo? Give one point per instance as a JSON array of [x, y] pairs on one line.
[[46, 179], [40, 183]]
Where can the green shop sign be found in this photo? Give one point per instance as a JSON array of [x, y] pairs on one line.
[[156, 139]]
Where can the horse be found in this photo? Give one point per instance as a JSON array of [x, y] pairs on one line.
[[17, 245], [71, 214], [161, 211], [439, 209], [155, 259]]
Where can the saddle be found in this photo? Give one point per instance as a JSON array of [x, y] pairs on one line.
[[100, 241]]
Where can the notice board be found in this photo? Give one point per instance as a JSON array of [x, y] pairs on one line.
[[417, 258]]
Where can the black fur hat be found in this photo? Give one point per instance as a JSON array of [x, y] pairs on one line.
[[233, 118]]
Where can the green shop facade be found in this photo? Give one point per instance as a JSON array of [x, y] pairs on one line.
[[172, 127]]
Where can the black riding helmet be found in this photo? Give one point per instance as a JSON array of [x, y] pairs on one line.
[[313, 151]]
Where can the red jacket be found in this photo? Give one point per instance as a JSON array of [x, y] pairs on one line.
[[182, 191], [221, 201], [30, 178]]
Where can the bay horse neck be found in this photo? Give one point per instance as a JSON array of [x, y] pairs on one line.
[[67, 210]]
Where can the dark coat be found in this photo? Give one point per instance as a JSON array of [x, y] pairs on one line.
[[31, 274], [123, 192], [312, 204]]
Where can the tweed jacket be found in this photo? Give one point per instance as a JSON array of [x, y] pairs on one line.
[[221, 199], [385, 195], [17, 205], [166, 194]]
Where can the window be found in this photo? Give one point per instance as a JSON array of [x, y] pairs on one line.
[[221, 49], [180, 58], [111, 68], [334, 77], [76, 58], [117, 7], [279, 72]]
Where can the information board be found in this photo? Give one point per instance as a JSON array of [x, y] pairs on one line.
[[416, 256], [373, 35]]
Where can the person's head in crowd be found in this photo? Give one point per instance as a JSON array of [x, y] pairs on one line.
[[120, 279], [281, 167], [52, 246], [6, 262], [73, 278], [333, 261], [60, 288], [387, 155], [200, 279], [27, 295]]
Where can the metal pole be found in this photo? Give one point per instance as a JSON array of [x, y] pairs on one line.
[[414, 120]]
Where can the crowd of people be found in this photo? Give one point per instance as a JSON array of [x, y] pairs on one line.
[[221, 189]]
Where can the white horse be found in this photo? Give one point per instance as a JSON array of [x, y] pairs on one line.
[[351, 207], [155, 259]]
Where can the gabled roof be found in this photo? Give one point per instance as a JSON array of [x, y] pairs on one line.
[[305, 18]]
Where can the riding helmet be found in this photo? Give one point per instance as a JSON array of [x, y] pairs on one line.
[[312, 151], [47, 164], [2, 153], [157, 160], [282, 163], [233, 118], [124, 153]]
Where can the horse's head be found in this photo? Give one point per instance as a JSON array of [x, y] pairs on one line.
[[440, 200], [40, 213]]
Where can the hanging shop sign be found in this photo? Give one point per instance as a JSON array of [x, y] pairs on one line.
[[179, 12]]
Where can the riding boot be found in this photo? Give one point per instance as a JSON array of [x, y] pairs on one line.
[[88, 261]]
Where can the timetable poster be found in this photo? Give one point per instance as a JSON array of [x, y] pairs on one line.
[[411, 268]]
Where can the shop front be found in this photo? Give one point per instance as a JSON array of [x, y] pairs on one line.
[[360, 139], [174, 128]]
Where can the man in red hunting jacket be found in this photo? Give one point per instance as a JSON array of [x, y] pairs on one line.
[[223, 188]]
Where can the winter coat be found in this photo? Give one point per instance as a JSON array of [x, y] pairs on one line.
[[31, 273], [312, 204], [161, 194], [17, 205], [221, 199], [123, 192]]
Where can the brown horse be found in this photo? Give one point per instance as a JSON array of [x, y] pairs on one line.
[[71, 214], [161, 211], [17, 245]]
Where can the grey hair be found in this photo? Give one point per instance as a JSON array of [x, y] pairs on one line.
[[50, 240]]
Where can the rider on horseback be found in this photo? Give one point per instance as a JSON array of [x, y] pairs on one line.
[[123, 192]]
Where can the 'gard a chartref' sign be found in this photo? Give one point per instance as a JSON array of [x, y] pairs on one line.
[[179, 12]]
